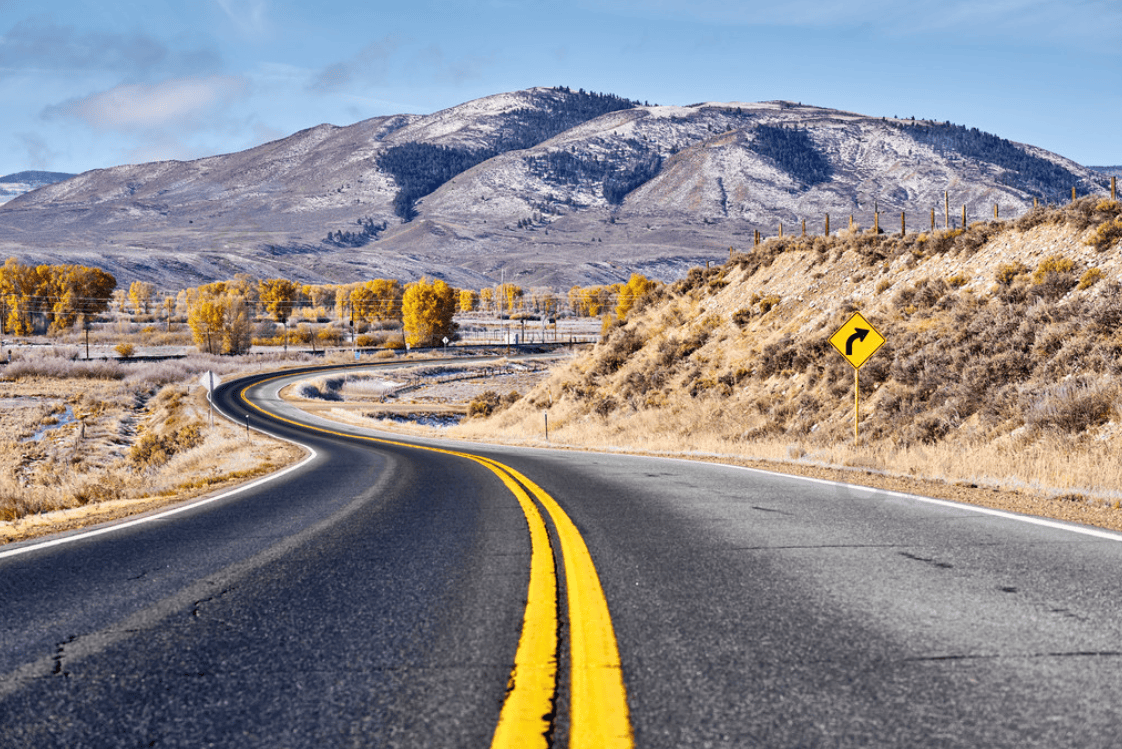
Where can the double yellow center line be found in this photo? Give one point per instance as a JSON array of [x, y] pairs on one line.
[[598, 717]]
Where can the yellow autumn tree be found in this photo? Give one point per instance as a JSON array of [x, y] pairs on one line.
[[206, 318], [56, 294], [278, 295], [468, 300], [427, 310], [487, 298], [318, 295], [637, 287], [379, 299], [590, 301], [219, 320], [140, 295], [510, 297]]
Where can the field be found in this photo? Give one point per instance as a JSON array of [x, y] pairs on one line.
[[85, 441]]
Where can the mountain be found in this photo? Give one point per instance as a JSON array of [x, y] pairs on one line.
[[548, 186], [14, 185]]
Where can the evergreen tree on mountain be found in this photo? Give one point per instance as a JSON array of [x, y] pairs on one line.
[[420, 168], [1027, 171]]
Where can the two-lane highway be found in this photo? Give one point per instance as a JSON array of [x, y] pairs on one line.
[[378, 596]]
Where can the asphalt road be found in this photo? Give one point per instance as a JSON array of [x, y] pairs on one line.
[[375, 597]]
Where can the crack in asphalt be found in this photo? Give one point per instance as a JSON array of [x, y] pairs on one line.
[[926, 560], [60, 654]]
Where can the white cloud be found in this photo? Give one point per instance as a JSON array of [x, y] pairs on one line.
[[250, 16], [176, 101]]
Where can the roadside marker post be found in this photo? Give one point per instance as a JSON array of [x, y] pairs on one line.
[[857, 340], [210, 380]]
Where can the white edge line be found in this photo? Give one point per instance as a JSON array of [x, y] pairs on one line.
[[112, 528], [1030, 519]]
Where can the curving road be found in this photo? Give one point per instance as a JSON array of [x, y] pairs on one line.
[[376, 595]]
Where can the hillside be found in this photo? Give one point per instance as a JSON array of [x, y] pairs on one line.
[[550, 186], [1002, 366]]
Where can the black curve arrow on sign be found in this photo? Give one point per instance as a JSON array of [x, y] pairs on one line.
[[858, 335]]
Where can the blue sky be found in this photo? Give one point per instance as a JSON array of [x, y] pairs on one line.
[[87, 84]]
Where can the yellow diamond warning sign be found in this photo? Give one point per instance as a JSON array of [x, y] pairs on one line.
[[857, 340]]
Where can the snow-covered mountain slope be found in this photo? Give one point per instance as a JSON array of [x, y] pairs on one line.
[[549, 185], [14, 185]]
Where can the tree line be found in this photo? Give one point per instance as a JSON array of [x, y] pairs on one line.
[[224, 316], [51, 297], [617, 173], [1026, 171], [793, 151]]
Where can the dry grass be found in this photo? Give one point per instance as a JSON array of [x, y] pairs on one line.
[[1001, 368], [104, 439]]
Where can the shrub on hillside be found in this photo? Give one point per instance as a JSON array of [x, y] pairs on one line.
[[490, 402], [672, 349], [942, 241], [617, 348], [1073, 406], [1052, 264], [1089, 278], [1106, 235], [925, 294], [154, 450], [1053, 277], [1007, 273]]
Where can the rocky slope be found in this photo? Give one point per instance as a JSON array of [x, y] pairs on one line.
[[549, 186]]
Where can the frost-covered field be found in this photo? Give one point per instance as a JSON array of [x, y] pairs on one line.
[[91, 440]]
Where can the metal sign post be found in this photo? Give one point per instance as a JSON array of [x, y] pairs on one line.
[[857, 340]]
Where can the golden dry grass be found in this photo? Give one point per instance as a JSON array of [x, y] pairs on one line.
[[989, 377], [117, 446]]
